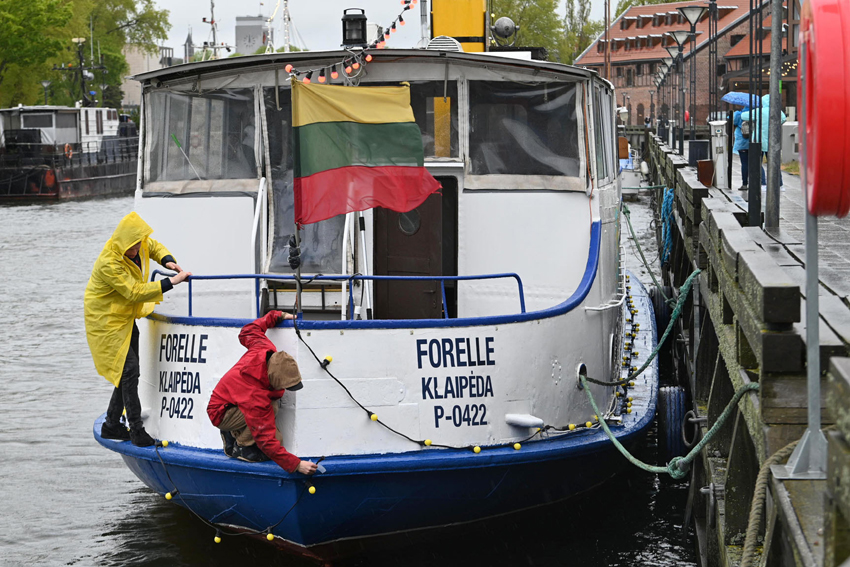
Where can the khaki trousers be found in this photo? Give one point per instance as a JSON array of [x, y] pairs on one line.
[[234, 421]]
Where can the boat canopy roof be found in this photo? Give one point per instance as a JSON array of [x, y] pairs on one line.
[[259, 62], [41, 108]]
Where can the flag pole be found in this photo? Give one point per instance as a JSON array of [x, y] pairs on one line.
[[298, 310], [293, 81], [362, 229]]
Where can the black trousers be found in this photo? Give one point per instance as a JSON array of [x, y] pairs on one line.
[[126, 395]]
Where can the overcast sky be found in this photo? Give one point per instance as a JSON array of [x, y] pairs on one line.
[[317, 21]]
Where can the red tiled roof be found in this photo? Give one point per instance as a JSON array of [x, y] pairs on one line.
[[742, 48], [730, 11]]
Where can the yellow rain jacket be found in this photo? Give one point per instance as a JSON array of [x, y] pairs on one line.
[[118, 293]]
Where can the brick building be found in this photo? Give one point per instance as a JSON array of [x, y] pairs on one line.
[[638, 40]]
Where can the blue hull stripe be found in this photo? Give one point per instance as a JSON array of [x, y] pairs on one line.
[[574, 300]]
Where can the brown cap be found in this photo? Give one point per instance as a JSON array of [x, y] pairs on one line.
[[283, 372]]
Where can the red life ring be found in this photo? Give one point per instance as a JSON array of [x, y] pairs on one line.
[[69, 151], [825, 44]]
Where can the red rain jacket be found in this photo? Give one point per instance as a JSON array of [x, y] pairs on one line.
[[247, 387]]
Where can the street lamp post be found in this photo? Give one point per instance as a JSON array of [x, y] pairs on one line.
[[713, 78], [680, 37], [45, 84], [693, 14], [651, 107], [102, 94], [629, 107]]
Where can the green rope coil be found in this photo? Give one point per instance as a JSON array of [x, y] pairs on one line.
[[678, 466]]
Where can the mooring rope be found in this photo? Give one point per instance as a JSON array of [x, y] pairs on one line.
[[627, 214], [677, 311], [757, 503], [667, 224], [678, 466]]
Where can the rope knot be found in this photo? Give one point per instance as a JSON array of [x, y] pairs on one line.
[[674, 469]]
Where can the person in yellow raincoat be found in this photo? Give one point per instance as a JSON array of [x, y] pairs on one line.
[[118, 293]]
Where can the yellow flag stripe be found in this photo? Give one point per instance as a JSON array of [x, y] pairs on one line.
[[315, 103]]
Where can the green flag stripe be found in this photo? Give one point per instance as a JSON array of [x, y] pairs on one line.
[[330, 145]]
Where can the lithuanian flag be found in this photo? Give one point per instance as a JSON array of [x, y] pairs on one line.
[[356, 148]]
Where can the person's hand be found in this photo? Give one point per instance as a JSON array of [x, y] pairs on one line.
[[306, 467], [180, 277], [173, 266], [281, 316]]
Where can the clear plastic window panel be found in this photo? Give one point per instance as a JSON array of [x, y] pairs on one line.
[[435, 111], [523, 129], [599, 130], [206, 136], [321, 242], [434, 106]]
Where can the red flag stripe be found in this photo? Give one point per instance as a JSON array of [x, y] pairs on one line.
[[346, 189]]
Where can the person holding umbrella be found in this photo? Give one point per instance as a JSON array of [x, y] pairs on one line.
[[741, 145], [761, 134]]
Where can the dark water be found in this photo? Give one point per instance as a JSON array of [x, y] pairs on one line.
[[67, 501]]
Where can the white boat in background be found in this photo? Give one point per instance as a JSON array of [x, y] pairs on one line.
[[463, 325], [61, 152]]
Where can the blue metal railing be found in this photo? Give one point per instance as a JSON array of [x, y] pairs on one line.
[[350, 280]]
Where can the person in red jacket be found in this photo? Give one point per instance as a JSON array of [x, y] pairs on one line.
[[244, 403]]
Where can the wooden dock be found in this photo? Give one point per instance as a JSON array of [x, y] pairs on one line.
[[745, 323]]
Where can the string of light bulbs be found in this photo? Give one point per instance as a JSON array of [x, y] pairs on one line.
[[351, 65]]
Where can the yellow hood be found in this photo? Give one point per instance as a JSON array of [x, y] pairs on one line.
[[129, 232]]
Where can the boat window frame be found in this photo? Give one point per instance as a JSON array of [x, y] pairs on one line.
[[601, 143], [192, 186], [521, 182], [25, 116]]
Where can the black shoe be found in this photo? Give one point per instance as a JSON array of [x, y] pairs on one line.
[[250, 453], [116, 431], [140, 437], [229, 443]]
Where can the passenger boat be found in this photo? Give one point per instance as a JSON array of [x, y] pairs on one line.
[[441, 348], [60, 152]]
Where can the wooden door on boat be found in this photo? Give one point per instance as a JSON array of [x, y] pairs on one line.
[[409, 244]]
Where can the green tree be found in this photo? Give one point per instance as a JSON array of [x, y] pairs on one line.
[[580, 30], [36, 35], [623, 5], [31, 32], [539, 24]]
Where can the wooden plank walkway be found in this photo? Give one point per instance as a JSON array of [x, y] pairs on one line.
[[747, 323]]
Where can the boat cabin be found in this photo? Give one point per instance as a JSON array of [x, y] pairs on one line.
[[32, 126], [525, 152]]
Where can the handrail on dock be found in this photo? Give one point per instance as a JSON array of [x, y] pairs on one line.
[[350, 279]]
